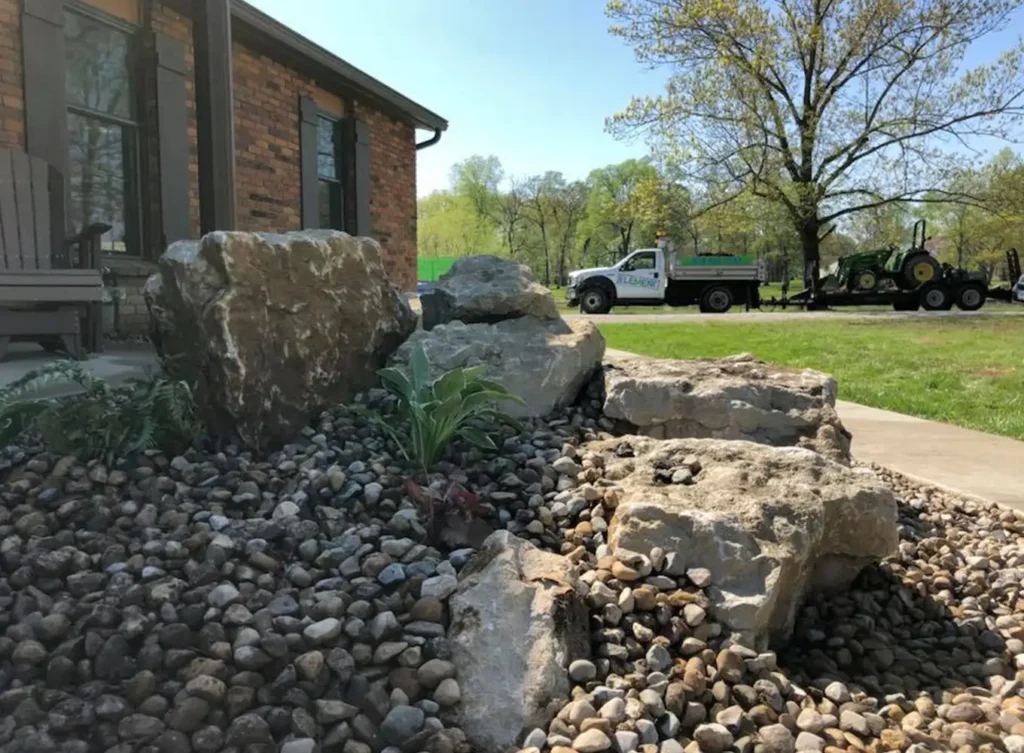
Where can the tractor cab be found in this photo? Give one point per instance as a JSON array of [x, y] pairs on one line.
[[872, 271]]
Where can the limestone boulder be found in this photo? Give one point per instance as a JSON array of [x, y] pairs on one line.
[[486, 289], [273, 328], [546, 362], [518, 619], [771, 524], [726, 398]]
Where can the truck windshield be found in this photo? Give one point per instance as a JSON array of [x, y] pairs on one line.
[[639, 262]]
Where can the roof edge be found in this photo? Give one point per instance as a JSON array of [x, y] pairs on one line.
[[357, 79]]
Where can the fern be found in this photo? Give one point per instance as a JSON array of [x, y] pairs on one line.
[[101, 421]]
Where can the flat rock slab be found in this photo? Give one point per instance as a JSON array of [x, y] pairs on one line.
[[486, 289], [546, 362], [726, 398], [518, 620], [771, 525]]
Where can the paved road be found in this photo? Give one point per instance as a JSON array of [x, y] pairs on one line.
[[755, 317]]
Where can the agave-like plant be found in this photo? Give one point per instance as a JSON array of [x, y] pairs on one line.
[[438, 410]]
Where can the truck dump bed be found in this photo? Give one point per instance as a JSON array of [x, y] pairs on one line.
[[682, 267]]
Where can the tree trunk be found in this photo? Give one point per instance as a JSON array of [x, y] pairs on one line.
[[811, 244]]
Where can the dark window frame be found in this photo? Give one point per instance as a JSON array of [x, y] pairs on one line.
[[137, 221], [339, 219]]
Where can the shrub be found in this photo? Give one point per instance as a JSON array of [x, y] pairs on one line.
[[101, 421], [438, 410]]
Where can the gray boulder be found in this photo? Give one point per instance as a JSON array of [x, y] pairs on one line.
[[486, 289], [546, 363], [771, 525], [726, 398], [272, 328], [518, 619]]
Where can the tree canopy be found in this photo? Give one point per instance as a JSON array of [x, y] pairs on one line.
[[826, 108]]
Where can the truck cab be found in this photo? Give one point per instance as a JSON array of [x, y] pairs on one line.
[[659, 277]]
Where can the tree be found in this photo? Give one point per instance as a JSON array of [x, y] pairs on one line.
[[615, 203], [568, 208], [827, 107]]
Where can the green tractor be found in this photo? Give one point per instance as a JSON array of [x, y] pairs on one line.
[[907, 269]]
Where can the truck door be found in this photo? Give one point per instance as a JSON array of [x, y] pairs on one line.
[[640, 277]]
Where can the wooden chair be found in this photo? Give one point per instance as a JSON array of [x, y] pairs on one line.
[[51, 289]]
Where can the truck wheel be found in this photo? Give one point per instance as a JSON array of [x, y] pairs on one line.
[[716, 300], [594, 301], [936, 298], [971, 297], [919, 269]]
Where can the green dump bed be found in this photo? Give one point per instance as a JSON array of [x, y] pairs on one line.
[[683, 267]]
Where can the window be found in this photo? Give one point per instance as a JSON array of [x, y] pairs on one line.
[[328, 172], [640, 262], [103, 131]]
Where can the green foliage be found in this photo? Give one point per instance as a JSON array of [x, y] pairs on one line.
[[101, 421], [826, 109], [438, 410]]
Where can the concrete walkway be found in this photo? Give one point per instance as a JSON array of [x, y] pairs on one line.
[[972, 462], [965, 461], [118, 363]]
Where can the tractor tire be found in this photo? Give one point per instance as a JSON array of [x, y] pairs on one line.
[[919, 269], [911, 305], [971, 296], [716, 300], [864, 282], [936, 298], [595, 300]]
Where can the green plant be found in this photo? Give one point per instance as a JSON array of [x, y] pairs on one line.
[[101, 421], [438, 410]]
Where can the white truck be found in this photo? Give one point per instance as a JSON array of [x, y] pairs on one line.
[[659, 277]]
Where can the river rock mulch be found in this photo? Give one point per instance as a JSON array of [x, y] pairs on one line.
[[217, 601]]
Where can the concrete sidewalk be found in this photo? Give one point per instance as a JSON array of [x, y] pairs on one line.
[[970, 462], [118, 363]]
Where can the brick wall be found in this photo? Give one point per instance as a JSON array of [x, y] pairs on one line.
[[393, 192], [12, 100], [267, 161], [267, 167]]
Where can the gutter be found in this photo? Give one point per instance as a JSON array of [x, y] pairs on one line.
[[431, 141]]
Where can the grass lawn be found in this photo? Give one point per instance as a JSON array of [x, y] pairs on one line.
[[968, 372]]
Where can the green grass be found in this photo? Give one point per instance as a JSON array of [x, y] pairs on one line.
[[968, 372]]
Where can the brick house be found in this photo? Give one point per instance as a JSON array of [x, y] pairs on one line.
[[171, 118]]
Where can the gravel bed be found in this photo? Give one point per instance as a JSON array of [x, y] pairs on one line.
[[218, 601]]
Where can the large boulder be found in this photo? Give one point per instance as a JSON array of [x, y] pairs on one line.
[[518, 619], [726, 398], [772, 525], [273, 328], [486, 289], [546, 362]]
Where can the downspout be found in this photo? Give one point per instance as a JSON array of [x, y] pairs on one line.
[[431, 141]]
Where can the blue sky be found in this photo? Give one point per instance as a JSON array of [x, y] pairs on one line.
[[530, 81]]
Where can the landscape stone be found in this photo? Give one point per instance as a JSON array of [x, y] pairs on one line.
[[726, 398], [838, 521], [517, 622], [264, 357], [545, 362], [486, 289]]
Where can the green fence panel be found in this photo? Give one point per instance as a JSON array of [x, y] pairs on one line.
[[430, 268]]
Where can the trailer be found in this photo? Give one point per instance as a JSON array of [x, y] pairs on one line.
[[968, 291]]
